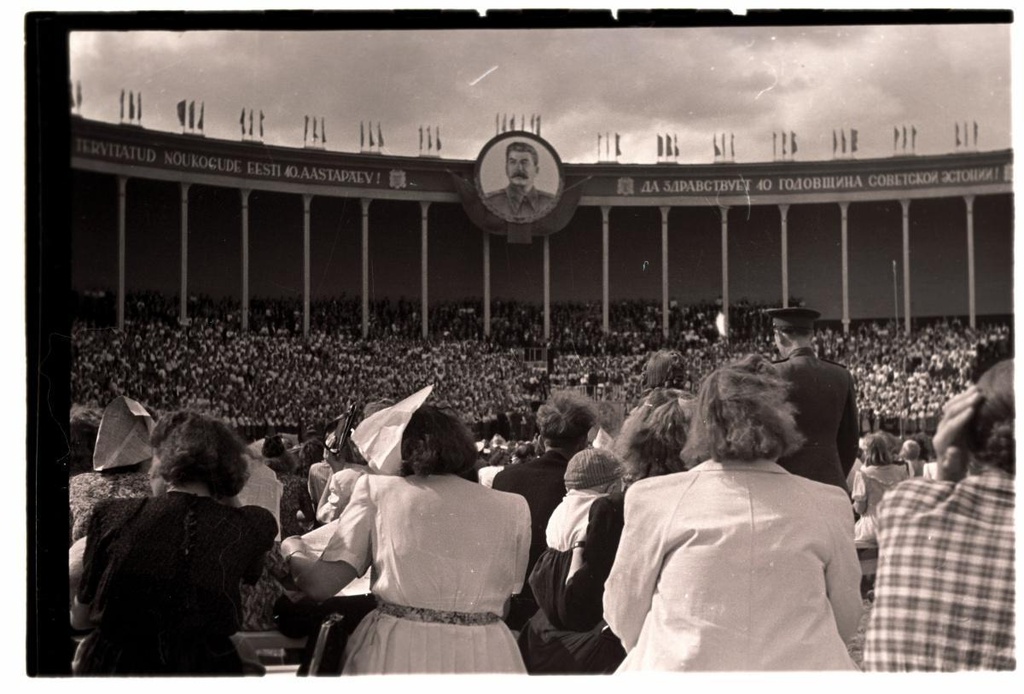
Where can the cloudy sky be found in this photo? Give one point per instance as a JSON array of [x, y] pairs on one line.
[[694, 83]]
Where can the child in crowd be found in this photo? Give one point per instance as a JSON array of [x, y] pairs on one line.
[[591, 474], [870, 483]]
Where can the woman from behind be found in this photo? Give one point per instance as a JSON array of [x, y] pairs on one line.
[[945, 588], [160, 578], [736, 564], [567, 634], [447, 554], [878, 475]]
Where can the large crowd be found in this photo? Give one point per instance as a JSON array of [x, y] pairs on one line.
[[272, 375], [680, 537]]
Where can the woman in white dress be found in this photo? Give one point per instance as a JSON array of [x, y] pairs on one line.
[[445, 555]]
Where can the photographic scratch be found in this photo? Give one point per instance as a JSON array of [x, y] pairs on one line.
[[746, 188], [775, 77], [474, 82]]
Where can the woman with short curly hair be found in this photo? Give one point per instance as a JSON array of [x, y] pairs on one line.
[[161, 575], [736, 564], [447, 554]]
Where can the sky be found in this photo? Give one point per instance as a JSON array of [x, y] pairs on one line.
[[692, 83]]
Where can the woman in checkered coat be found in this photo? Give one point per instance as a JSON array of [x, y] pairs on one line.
[[944, 591]]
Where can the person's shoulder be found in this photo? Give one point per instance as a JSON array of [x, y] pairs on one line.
[[503, 497], [831, 363], [652, 489], [496, 194], [346, 474], [915, 493], [320, 469], [608, 504], [544, 195], [259, 520], [118, 506], [507, 473]]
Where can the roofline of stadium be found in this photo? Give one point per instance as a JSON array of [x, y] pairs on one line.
[[136, 152]]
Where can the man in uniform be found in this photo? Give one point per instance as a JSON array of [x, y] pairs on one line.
[[520, 201], [824, 396]]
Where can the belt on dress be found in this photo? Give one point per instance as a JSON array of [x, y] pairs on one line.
[[424, 614]]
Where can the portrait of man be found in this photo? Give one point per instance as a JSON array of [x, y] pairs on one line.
[[525, 197]]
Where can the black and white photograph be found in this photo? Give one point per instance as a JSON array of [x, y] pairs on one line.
[[520, 343]]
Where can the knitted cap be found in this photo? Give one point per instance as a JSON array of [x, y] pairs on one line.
[[591, 467]]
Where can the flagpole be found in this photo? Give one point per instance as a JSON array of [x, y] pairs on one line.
[[895, 295]]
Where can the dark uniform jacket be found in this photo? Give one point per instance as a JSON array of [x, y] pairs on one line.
[[542, 482], [824, 396]]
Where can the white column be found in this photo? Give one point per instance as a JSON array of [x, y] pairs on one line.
[[844, 233], [122, 200], [306, 200], [784, 213], [487, 284], [547, 288], [664, 270], [245, 258], [424, 207], [906, 265], [605, 209], [365, 202], [725, 265], [969, 199], [183, 305]]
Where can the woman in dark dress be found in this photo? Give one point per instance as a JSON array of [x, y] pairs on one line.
[[160, 577]]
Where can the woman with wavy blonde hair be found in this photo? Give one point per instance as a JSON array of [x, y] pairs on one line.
[[736, 564]]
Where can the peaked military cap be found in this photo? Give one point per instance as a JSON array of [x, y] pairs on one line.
[[793, 317]]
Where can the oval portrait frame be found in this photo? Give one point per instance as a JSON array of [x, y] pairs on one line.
[[490, 177]]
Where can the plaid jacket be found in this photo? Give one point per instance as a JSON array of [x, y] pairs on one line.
[[944, 591]]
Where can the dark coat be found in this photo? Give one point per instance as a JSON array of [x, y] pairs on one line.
[[542, 482], [825, 398]]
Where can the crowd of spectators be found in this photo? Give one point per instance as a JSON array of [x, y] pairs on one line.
[[272, 375]]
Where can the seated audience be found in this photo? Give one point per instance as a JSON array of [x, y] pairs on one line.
[[296, 506], [331, 481], [592, 473], [944, 592], [447, 553], [121, 459], [877, 476], [910, 456], [160, 576], [567, 634], [564, 420], [736, 564]]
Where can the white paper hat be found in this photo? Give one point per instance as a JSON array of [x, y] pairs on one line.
[[379, 436], [123, 436], [603, 440]]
